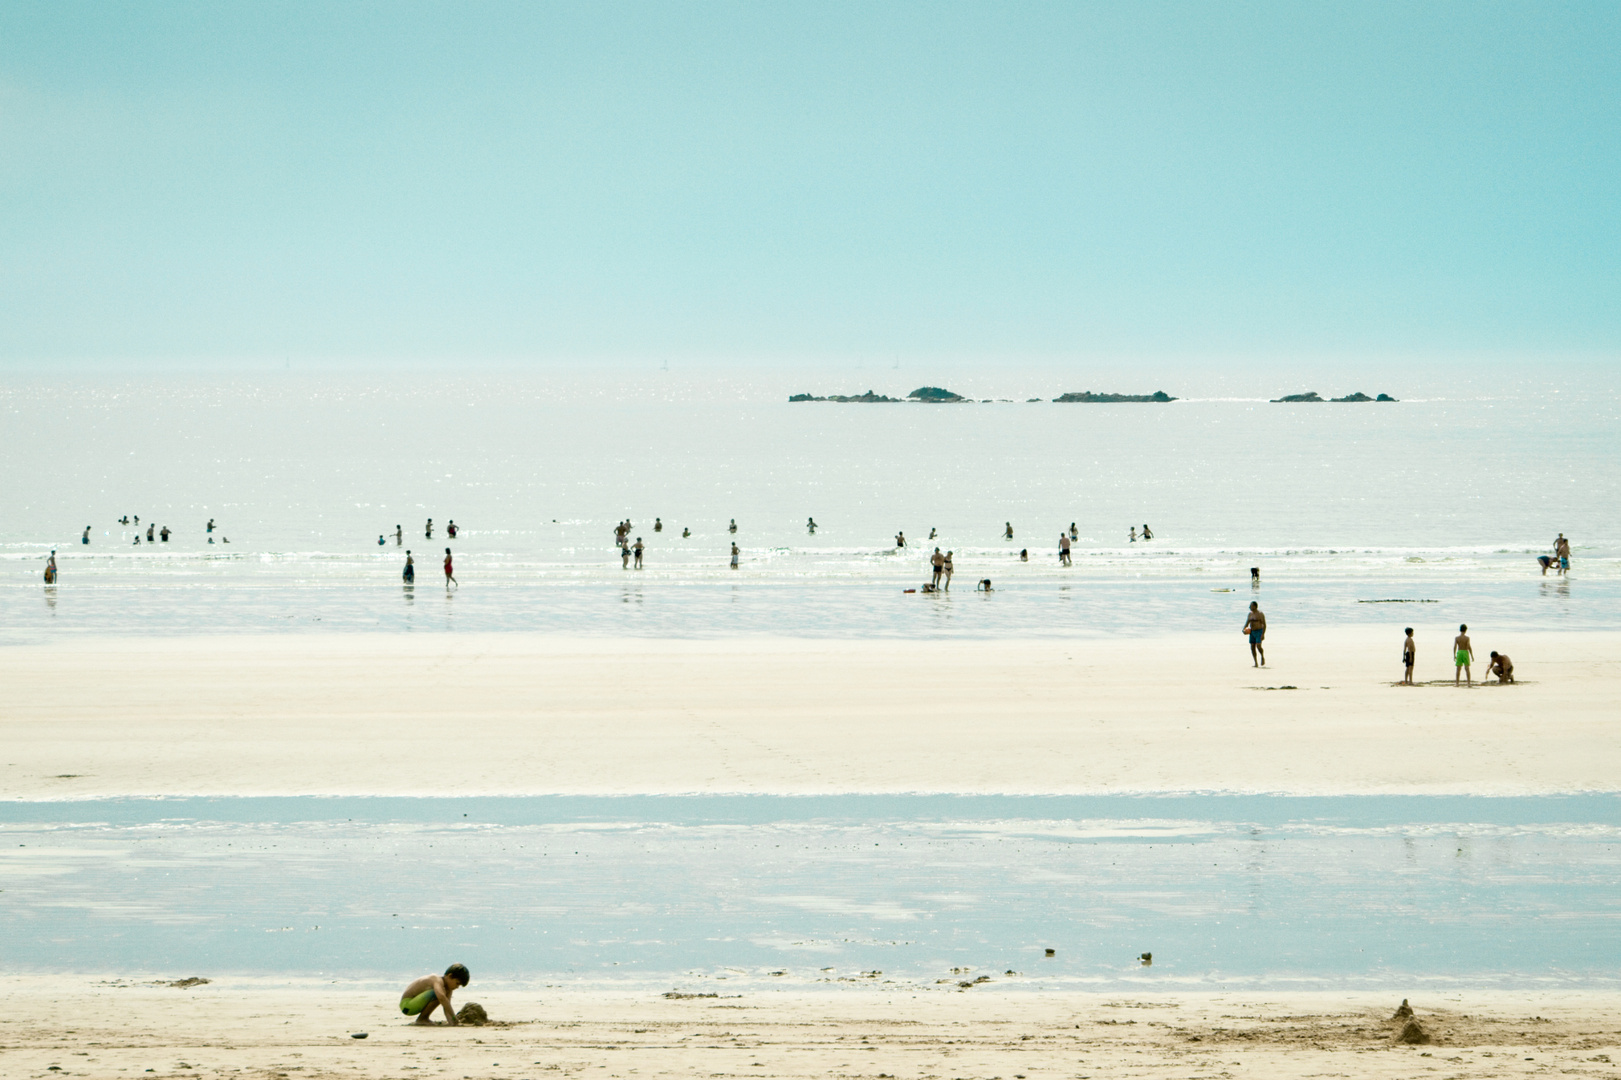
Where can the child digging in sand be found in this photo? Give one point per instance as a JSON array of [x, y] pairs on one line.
[[428, 993]]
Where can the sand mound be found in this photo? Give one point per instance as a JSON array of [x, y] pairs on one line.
[[472, 1013], [1404, 1011], [1411, 1033]]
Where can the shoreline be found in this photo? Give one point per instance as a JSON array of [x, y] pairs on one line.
[[521, 714]]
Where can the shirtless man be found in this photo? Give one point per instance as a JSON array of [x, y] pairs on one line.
[[1008, 533], [1063, 549], [900, 539], [1255, 627], [938, 561], [422, 996], [1409, 653], [1561, 548], [1463, 654], [1502, 667]]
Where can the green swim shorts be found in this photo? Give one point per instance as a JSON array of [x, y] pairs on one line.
[[1462, 658], [411, 1006]]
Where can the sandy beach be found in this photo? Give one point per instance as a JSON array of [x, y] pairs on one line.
[[84, 1026], [520, 714]]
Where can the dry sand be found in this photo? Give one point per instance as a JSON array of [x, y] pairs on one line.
[[523, 714], [90, 1027]]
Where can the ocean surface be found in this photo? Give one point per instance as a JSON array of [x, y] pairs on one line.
[[724, 894], [1438, 502]]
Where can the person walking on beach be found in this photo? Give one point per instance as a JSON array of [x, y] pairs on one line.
[[1409, 654], [410, 574], [1502, 667], [948, 569], [1063, 549], [1463, 654], [638, 550], [422, 996], [450, 576], [734, 556], [1255, 627], [938, 561]]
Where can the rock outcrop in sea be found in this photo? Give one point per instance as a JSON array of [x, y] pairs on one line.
[[934, 395], [1312, 395], [1110, 399], [869, 396]]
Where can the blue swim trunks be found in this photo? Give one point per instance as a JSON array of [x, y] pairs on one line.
[[1256, 636]]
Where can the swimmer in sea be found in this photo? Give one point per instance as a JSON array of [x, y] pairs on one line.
[[658, 525], [210, 525], [810, 526], [1074, 534], [1409, 655], [1463, 655], [1502, 667], [900, 539], [1063, 549], [1024, 554], [624, 556], [428, 531], [685, 532], [1134, 534], [165, 534], [1007, 534], [379, 539], [948, 569], [422, 996], [410, 574], [638, 550], [450, 576], [733, 526], [1147, 535], [734, 556], [450, 530], [938, 561], [50, 568], [1255, 627], [85, 539], [399, 536], [931, 532]]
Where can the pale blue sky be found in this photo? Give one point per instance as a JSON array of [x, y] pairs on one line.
[[449, 182]]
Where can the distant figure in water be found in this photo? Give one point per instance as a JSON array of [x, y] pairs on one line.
[[379, 539], [1463, 655], [124, 520], [1024, 554], [1134, 534], [983, 586], [450, 530], [137, 540], [1147, 535], [210, 525], [1502, 667], [900, 539], [165, 534], [931, 532], [948, 569], [137, 519], [1546, 562], [1409, 656], [50, 569], [1255, 577], [938, 561], [450, 576], [733, 526], [658, 526], [810, 526], [410, 574], [85, 539], [1074, 534], [1063, 549], [734, 556], [399, 536], [1007, 534], [624, 556], [428, 531], [685, 532], [1561, 548], [1255, 627], [638, 553]]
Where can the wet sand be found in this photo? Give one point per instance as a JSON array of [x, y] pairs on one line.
[[92, 1026], [522, 714]]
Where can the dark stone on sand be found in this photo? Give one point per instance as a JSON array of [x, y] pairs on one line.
[[472, 1013], [358, 1035], [1412, 1034], [1089, 397], [676, 995], [1403, 1012], [185, 984], [934, 395], [1309, 395]]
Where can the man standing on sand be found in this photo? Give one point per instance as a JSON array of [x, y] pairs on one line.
[[1463, 654], [422, 996], [1409, 653], [938, 561], [1255, 627], [1063, 549]]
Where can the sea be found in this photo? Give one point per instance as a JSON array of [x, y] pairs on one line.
[[1430, 510]]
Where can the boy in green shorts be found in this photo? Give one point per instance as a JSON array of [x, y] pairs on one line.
[[428, 993]]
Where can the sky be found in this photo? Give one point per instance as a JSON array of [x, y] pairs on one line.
[[245, 184]]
